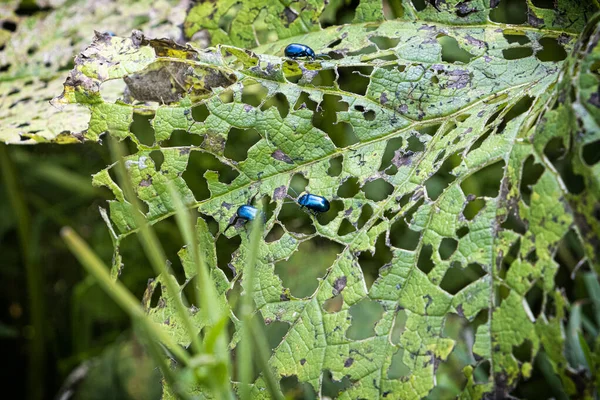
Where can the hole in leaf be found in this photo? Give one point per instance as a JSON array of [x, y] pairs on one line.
[[519, 108], [158, 158], [299, 274], [254, 94], [477, 144], [462, 231], [295, 220], [535, 300], [142, 129], [324, 78], [524, 351], [298, 183], [354, 79], [9, 26], [457, 278], [335, 166], [345, 228], [377, 190], [393, 145], [304, 101], [372, 263], [510, 12], [365, 214], [425, 262], [516, 38], [399, 327], [365, 314], [384, 43], [279, 101], [485, 182], [325, 118], [198, 164], [156, 295], [419, 4], [549, 4], [591, 153], [397, 368], [452, 52], [275, 331], [200, 112], [402, 237], [292, 388], [239, 142], [516, 53], [349, 188], [531, 173], [442, 178], [514, 223], [447, 248], [481, 373], [332, 388], [551, 50], [472, 208], [226, 247], [180, 138], [335, 207], [334, 304], [274, 234], [415, 145]]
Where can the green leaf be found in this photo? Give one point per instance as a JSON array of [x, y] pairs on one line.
[[35, 56], [437, 120]]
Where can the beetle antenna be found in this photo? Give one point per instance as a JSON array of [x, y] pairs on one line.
[[292, 189]]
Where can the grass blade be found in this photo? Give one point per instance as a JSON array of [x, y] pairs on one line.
[[119, 293]]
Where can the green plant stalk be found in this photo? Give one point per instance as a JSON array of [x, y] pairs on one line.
[[151, 244], [158, 356], [206, 294], [127, 301], [244, 355], [260, 341], [34, 278]]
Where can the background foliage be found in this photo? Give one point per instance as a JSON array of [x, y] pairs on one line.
[[457, 141]]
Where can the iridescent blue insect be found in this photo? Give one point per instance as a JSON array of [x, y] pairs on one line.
[[296, 50], [247, 212], [314, 203]]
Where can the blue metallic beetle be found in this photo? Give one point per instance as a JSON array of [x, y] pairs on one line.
[[247, 212], [296, 50], [314, 203]]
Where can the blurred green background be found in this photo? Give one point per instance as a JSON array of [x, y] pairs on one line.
[[83, 333]]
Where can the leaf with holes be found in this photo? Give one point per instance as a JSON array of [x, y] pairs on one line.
[[36, 51], [455, 153]]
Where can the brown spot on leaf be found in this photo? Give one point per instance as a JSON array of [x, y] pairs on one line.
[[279, 193], [474, 41], [383, 98], [146, 182], [290, 15], [533, 20], [402, 158], [281, 156], [303, 361], [459, 79], [339, 285]]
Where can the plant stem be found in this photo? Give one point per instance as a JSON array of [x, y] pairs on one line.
[[119, 292], [206, 294], [34, 277]]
